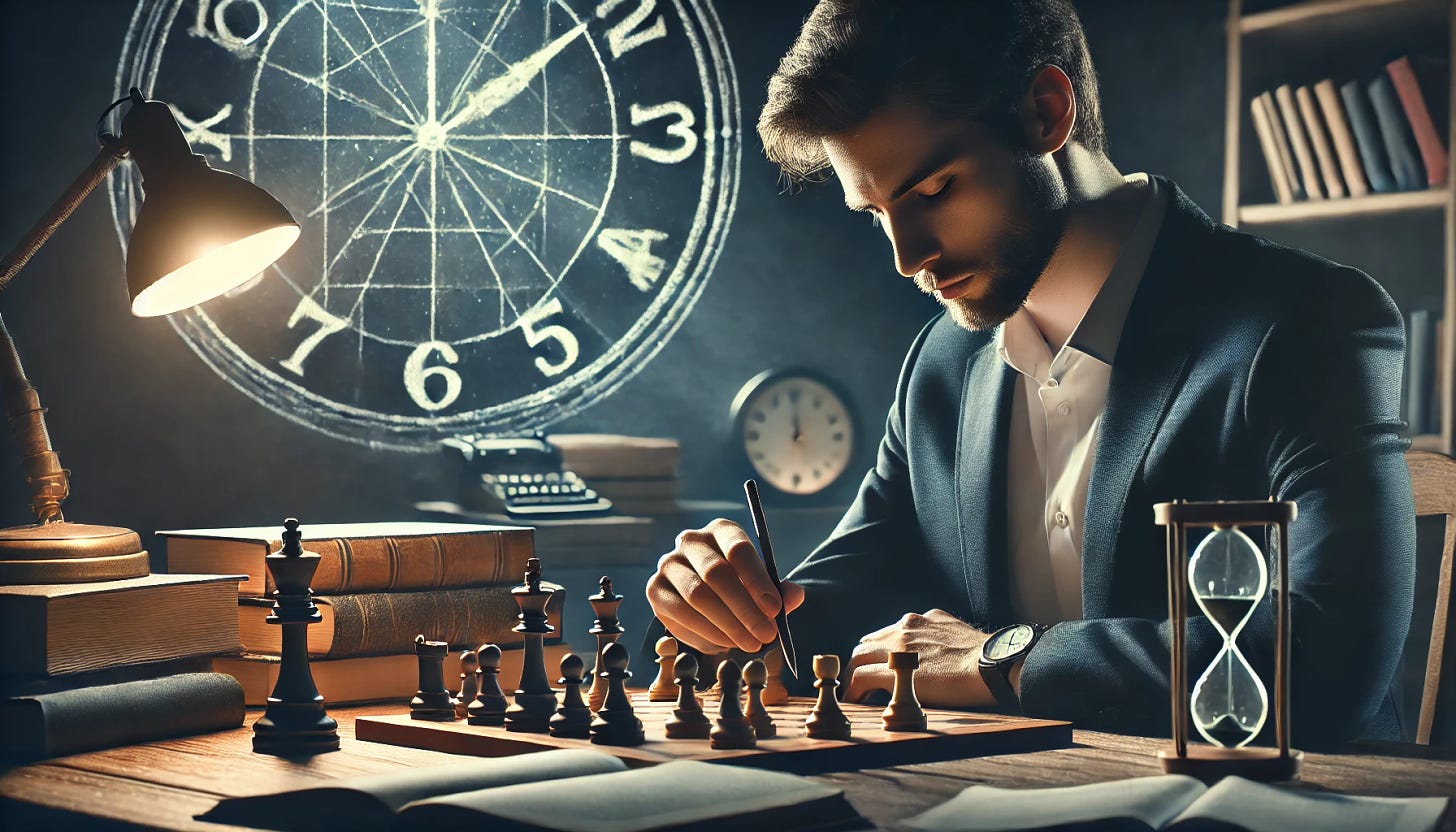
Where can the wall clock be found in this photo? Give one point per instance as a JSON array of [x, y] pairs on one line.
[[796, 430], [508, 206]]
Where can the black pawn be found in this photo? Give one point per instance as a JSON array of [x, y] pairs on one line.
[[469, 683], [688, 722], [755, 675], [616, 724], [295, 723], [573, 718], [534, 701], [432, 701], [731, 729], [489, 707]]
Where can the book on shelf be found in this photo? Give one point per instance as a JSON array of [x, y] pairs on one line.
[[1340, 136], [1425, 104], [361, 557], [387, 622], [577, 789], [1418, 401], [612, 456], [1309, 175], [56, 629], [1176, 802], [658, 488], [607, 529], [1281, 146], [368, 678], [1400, 144], [1373, 158], [1265, 131], [1319, 139]]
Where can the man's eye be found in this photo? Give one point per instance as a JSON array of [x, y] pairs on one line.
[[940, 189]]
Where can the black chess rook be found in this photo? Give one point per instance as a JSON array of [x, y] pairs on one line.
[[731, 729], [432, 701], [688, 722], [534, 702], [616, 723], [573, 718], [489, 707]]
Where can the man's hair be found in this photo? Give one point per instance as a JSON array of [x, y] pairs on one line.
[[959, 59]]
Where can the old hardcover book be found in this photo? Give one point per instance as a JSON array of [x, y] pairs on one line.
[[612, 456], [11, 686], [367, 678], [580, 790], [1413, 99], [1281, 144], [387, 622], [361, 557], [56, 629], [1374, 158], [1265, 131], [1400, 143], [1319, 139], [1341, 137], [1294, 127]]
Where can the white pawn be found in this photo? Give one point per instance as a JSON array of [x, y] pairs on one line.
[[663, 688]]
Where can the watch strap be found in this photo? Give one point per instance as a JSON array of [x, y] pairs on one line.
[[998, 681]]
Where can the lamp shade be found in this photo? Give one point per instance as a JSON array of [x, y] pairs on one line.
[[199, 232]]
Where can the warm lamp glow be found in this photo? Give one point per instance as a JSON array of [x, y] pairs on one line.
[[217, 271]]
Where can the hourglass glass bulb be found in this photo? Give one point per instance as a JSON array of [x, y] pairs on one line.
[[1227, 576]]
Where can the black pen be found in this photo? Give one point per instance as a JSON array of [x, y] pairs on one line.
[[765, 547]]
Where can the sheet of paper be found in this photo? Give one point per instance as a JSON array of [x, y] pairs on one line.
[[1261, 808], [1140, 803]]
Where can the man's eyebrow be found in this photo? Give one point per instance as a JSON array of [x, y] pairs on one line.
[[939, 158]]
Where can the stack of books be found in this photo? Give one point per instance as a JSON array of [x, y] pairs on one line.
[[1378, 134], [378, 585], [1422, 392], [637, 473]]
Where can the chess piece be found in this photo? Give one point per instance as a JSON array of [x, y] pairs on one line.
[[662, 688], [573, 718], [607, 628], [775, 693], [295, 723], [534, 702], [755, 676], [688, 722], [731, 729], [469, 683], [827, 721], [432, 701], [904, 712], [489, 707], [616, 723]]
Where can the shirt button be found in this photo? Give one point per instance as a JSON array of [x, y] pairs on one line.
[[1064, 408], [1053, 383], [1061, 518]]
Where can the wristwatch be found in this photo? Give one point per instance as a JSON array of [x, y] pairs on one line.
[[1001, 650]]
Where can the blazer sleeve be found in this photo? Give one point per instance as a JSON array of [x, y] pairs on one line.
[[1320, 405]]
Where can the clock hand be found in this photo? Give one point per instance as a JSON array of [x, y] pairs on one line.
[[797, 431], [492, 95]]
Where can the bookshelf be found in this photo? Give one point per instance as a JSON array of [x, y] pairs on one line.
[[1300, 43]]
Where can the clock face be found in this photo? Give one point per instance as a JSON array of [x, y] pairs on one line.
[[508, 206], [796, 431], [1008, 643]]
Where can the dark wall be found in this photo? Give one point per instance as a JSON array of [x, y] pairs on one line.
[[158, 440]]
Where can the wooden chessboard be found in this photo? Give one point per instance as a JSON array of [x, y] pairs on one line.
[[950, 735]]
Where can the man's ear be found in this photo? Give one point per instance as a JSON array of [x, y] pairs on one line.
[[1049, 111]]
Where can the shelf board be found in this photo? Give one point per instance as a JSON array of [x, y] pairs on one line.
[[1311, 10], [1347, 207], [1428, 442]]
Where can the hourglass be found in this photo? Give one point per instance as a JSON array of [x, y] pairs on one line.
[[1228, 576]]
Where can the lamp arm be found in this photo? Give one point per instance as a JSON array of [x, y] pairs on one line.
[[50, 484]]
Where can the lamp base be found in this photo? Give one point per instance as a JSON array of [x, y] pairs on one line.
[[70, 553], [1209, 763]]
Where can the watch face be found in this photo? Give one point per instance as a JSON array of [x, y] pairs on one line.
[[508, 206], [1008, 642], [796, 431]]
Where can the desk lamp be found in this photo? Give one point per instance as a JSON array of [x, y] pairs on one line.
[[199, 233]]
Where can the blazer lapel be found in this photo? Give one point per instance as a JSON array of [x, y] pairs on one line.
[[981, 453]]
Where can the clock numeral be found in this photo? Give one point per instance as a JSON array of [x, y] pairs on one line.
[[416, 374], [681, 128], [633, 249], [621, 37], [552, 332], [239, 42], [200, 132], [328, 325]]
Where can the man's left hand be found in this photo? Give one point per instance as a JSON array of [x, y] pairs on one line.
[[949, 650]]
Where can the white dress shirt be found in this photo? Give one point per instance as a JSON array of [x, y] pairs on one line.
[[1055, 412]]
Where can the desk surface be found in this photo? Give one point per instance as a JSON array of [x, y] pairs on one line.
[[164, 784]]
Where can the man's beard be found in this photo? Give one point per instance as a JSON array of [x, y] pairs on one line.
[[1021, 254]]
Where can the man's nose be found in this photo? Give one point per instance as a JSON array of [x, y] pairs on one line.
[[915, 249]]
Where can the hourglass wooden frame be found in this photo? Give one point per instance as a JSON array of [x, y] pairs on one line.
[[1207, 761]]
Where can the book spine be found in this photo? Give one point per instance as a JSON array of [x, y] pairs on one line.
[[1405, 157], [1319, 139], [411, 563], [1284, 95], [387, 622], [1367, 137], [1433, 154], [1344, 141], [1281, 143], [1418, 370], [1271, 153]]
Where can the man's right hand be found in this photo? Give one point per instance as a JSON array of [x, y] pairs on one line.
[[713, 593]]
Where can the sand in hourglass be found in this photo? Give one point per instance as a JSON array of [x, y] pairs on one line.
[[1227, 612], [1227, 731]]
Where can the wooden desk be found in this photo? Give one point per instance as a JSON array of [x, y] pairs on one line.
[[164, 784]]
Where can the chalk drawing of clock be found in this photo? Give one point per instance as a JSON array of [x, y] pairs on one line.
[[508, 206]]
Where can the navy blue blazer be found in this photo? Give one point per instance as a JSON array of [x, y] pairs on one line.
[[1245, 370]]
